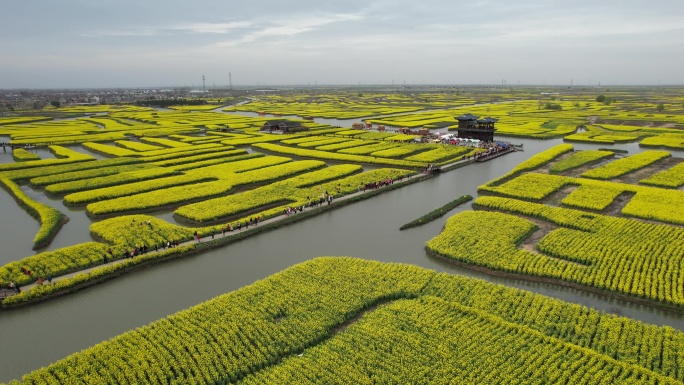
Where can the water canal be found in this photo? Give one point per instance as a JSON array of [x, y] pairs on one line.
[[38, 335]]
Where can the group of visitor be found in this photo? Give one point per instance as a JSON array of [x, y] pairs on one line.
[[13, 287], [253, 221], [493, 149], [315, 202], [135, 251], [40, 281], [377, 185], [4, 146]]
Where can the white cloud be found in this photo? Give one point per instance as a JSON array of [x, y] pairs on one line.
[[194, 28], [290, 27], [218, 28], [121, 32]]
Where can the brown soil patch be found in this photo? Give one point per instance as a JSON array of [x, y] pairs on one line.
[[615, 209], [530, 244], [545, 169], [557, 197], [635, 176], [577, 172]]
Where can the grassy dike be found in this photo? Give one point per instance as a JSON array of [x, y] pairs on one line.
[[437, 213]]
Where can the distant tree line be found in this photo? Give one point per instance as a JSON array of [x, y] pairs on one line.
[[553, 106], [170, 102], [605, 99]]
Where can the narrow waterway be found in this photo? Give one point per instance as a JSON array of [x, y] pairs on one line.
[[38, 335]]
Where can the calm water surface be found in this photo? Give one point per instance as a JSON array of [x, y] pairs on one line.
[[38, 335]]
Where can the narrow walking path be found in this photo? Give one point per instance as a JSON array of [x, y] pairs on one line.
[[4, 293]]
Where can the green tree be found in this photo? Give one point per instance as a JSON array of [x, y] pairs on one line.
[[55, 103], [601, 98], [660, 107]]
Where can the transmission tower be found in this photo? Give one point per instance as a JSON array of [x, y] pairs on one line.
[[230, 81], [204, 86]]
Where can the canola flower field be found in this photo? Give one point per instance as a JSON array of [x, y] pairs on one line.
[[194, 160], [342, 320], [597, 226], [635, 249]]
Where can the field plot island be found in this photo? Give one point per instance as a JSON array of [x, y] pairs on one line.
[[562, 217], [344, 320]]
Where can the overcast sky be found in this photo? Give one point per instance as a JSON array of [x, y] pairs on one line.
[[122, 43]]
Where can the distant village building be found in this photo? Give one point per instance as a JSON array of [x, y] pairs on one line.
[[283, 126], [472, 127]]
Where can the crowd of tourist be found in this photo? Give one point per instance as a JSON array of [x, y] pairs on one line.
[[4, 146], [492, 150]]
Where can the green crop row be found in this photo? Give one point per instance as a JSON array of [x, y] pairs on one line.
[[347, 143], [165, 142], [106, 167], [195, 176], [399, 152], [626, 165], [441, 154], [665, 140], [63, 154], [670, 178], [52, 172], [222, 153], [121, 177], [336, 156], [211, 162], [534, 162], [203, 190], [652, 203], [21, 155], [579, 159], [107, 149], [137, 146], [322, 142], [112, 192], [367, 149]]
